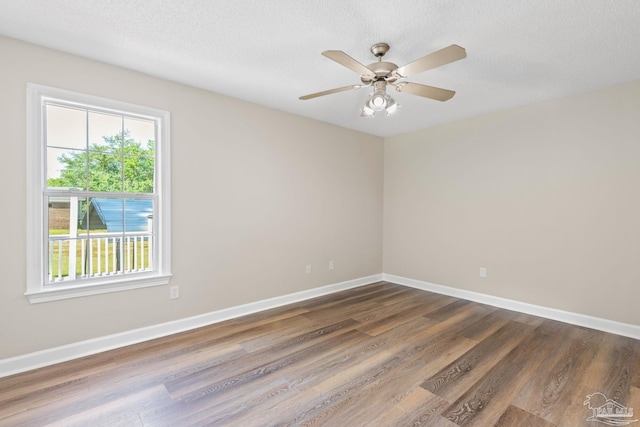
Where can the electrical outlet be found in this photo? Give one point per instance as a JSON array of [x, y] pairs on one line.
[[332, 265], [174, 292], [309, 269], [483, 272]]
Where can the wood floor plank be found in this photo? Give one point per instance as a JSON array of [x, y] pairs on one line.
[[449, 310], [335, 393], [386, 320], [255, 364], [635, 381], [485, 401], [336, 365], [549, 392], [340, 372], [425, 352], [352, 297], [381, 354], [385, 307], [296, 377], [124, 411], [417, 408], [337, 308], [400, 373], [488, 325], [100, 388], [612, 369], [462, 373], [525, 318], [633, 401], [518, 417], [428, 299], [59, 375]]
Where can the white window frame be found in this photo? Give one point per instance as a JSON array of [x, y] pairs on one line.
[[37, 291]]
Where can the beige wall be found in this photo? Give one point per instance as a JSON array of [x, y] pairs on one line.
[[256, 195], [546, 197]]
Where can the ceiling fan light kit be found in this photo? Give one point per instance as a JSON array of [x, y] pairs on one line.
[[379, 100], [381, 73]]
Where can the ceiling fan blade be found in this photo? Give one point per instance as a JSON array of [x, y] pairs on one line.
[[426, 91], [345, 60], [433, 60], [330, 91]]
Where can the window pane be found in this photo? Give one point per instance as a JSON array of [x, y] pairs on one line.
[[64, 214], [140, 131], [103, 221], [138, 215], [105, 172], [64, 259], [138, 174], [83, 203], [66, 127], [92, 219], [103, 214], [63, 249], [139, 162], [105, 132], [138, 235], [66, 168]]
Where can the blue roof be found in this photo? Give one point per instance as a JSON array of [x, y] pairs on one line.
[[135, 218]]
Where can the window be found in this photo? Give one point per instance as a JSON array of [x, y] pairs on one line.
[[98, 195]]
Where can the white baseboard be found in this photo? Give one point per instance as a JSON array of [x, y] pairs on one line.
[[64, 353], [625, 329]]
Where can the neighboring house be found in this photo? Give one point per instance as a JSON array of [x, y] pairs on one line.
[[59, 212], [108, 214]]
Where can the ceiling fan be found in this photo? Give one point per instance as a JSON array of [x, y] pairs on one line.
[[381, 73]]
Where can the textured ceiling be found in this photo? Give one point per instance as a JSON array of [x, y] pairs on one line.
[[268, 51]]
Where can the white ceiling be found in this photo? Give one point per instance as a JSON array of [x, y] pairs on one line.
[[268, 51]]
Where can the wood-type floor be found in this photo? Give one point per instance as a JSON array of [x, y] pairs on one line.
[[377, 355]]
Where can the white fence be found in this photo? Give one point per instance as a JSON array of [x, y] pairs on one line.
[[100, 254]]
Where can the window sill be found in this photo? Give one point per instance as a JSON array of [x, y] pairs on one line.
[[54, 293]]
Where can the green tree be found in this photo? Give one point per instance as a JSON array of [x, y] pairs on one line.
[[119, 161]]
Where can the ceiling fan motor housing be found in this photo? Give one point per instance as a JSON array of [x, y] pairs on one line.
[[382, 70]]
